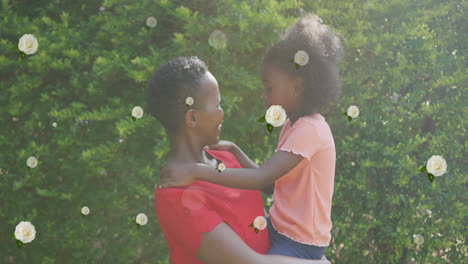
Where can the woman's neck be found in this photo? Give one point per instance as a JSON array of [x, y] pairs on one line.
[[184, 150]]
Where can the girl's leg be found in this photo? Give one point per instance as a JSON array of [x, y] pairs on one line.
[[271, 232], [285, 249], [282, 245], [314, 252]]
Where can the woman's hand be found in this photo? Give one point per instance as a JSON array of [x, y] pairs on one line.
[[223, 145], [181, 175]]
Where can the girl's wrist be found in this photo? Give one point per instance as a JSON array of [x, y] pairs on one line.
[[204, 173], [236, 151], [233, 147]]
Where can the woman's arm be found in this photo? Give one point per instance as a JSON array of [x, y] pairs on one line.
[[223, 245]]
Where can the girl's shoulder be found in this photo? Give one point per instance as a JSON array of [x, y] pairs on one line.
[[313, 127], [313, 119]]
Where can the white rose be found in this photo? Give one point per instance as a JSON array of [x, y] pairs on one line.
[[31, 162], [270, 200], [141, 219], [428, 212], [85, 210], [54, 124], [353, 111], [189, 101], [418, 239], [436, 166], [28, 44], [137, 112], [221, 167], [217, 39], [151, 22], [25, 232], [260, 222], [276, 115], [301, 57]]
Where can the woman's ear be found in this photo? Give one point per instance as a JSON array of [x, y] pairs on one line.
[[191, 118]]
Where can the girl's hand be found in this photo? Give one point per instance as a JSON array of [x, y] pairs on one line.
[[223, 145], [180, 175]]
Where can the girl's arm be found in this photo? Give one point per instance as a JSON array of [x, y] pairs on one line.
[[223, 245], [246, 162], [252, 179], [243, 159]]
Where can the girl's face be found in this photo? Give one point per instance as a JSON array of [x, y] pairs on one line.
[[210, 114], [280, 88]]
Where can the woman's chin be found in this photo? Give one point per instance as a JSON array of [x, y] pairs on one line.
[[215, 139]]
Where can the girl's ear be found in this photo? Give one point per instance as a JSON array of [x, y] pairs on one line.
[[299, 87], [191, 118]]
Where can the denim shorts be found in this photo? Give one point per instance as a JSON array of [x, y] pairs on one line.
[[283, 245]]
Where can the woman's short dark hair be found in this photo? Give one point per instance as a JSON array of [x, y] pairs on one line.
[[168, 88], [322, 83]]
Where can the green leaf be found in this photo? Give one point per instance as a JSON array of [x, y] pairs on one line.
[[19, 243], [345, 114], [402, 197], [431, 177], [350, 118], [422, 169], [138, 225], [297, 66], [270, 128], [251, 225], [134, 119], [262, 119], [13, 235], [256, 230], [291, 60]]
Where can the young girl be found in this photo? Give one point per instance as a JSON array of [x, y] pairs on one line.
[[303, 167]]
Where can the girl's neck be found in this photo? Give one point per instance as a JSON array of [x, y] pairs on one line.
[[293, 118]]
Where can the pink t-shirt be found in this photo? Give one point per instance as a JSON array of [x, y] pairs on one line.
[[303, 196]]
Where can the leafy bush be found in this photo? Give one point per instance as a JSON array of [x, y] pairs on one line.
[[406, 73]]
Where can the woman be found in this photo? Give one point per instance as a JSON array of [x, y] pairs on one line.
[[204, 222]]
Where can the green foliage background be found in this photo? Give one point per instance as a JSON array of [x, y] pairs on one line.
[[405, 68]]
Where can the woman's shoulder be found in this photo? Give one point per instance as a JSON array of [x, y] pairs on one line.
[[219, 154], [225, 157]]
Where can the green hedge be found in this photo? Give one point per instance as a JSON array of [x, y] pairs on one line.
[[405, 68]]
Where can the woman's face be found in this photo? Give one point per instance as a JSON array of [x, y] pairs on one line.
[[210, 113]]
